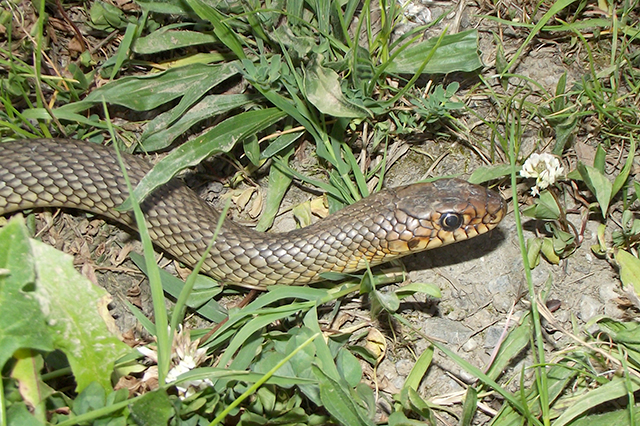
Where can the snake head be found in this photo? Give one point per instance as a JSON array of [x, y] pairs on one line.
[[443, 212]]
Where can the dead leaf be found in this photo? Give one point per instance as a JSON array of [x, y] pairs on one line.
[[133, 294], [182, 272], [302, 213], [256, 207], [122, 254], [376, 344], [59, 25], [100, 250], [75, 47], [319, 207], [103, 311], [90, 273], [585, 153], [242, 199]]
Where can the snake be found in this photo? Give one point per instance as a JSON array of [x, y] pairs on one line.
[[392, 223]]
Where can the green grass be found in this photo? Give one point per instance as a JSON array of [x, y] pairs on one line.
[[316, 75]]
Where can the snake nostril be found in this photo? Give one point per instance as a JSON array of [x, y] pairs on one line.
[[451, 221]]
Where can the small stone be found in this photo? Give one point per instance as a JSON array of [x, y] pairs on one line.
[[607, 291], [467, 377], [470, 345], [499, 285], [403, 367], [502, 302], [398, 382], [492, 336], [448, 331], [589, 307], [387, 369]]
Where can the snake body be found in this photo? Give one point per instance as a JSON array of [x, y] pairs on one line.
[[387, 225]]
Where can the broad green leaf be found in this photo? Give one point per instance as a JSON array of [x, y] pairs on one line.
[[616, 388], [545, 208], [398, 418], [515, 341], [19, 415], [301, 362], [123, 51], [469, 407], [107, 17], [252, 149], [559, 103], [22, 323], [280, 144], [600, 158], [550, 13], [622, 177], [388, 300], [457, 52], [564, 132], [154, 408], [486, 173], [220, 139], [255, 324], [26, 371], [168, 39], [204, 290], [549, 252], [322, 86], [624, 333], [349, 367], [563, 242], [617, 417], [299, 366], [167, 8], [558, 377], [215, 373], [93, 397], [148, 92], [534, 247], [419, 369], [160, 133], [598, 184], [279, 182], [224, 33], [629, 269], [211, 310], [323, 353], [410, 289], [415, 403], [65, 114], [339, 401], [76, 313], [294, 108]]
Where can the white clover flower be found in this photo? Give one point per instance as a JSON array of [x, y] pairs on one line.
[[185, 357], [545, 168], [187, 388]]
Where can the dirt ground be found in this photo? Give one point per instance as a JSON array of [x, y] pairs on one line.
[[482, 280]]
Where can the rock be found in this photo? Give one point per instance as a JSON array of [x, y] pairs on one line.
[[589, 307]]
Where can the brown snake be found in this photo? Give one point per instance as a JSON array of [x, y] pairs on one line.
[[385, 226]]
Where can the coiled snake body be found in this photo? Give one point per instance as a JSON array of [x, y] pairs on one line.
[[384, 226]]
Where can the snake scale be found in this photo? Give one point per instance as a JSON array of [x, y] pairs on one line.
[[385, 226]]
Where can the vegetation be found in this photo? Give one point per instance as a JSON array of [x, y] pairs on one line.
[[253, 82]]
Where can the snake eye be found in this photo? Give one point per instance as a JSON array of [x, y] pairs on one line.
[[451, 221]]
